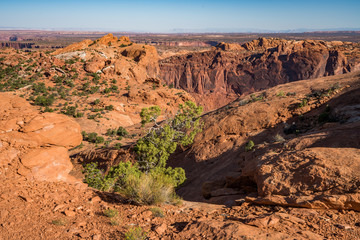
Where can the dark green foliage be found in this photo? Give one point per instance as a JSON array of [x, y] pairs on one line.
[[149, 181], [149, 114], [291, 94], [280, 94], [96, 102], [39, 88], [92, 137], [154, 149], [303, 103], [71, 111], [121, 132], [109, 108], [326, 116], [44, 100]]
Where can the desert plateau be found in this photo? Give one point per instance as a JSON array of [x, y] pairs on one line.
[[215, 129]]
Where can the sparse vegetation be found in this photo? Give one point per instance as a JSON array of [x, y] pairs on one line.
[[111, 213], [279, 138], [157, 212], [249, 146], [149, 181], [59, 222], [280, 94], [92, 137], [136, 233]]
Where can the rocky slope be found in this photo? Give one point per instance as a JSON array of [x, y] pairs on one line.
[[305, 151], [218, 76], [39, 140], [102, 84]]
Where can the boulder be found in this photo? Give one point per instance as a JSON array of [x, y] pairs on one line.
[[39, 140]]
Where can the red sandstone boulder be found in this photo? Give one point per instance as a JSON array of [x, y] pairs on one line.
[[40, 141]]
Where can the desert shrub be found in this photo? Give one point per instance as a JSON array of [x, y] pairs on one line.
[[117, 146], [303, 103], [109, 108], [291, 94], [136, 233], [280, 94], [126, 179], [149, 181], [254, 98], [249, 146], [157, 212], [279, 138], [111, 213], [44, 100], [92, 137], [59, 222], [121, 132], [71, 111], [39, 88], [96, 101], [154, 149]]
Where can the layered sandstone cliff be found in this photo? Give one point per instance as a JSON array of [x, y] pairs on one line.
[[218, 76]]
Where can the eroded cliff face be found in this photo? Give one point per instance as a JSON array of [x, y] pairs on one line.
[[218, 76]]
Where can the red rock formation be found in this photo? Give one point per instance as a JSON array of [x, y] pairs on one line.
[[315, 168], [218, 76], [40, 141]]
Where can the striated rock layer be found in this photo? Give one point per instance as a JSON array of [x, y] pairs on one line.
[[218, 76]]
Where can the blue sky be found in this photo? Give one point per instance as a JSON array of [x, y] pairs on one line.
[[167, 15]]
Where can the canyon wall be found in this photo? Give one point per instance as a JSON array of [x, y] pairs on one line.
[[218, 76]]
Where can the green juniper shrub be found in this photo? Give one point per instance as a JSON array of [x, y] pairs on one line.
[[109, 107], [149, 181], [92, 137], [44, 100], [154, 149], [117, 146]]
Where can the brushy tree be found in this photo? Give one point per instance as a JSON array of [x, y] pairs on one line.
[[154, 149], [149, 181]]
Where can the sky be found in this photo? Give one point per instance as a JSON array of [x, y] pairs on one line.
[[164, 16]]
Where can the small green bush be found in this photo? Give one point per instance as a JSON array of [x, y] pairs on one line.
[[280, 94], [303, 103], [249, 146], [92, 137], [150, 188], [136, 233], [44, 100], [111, 213], [157, 212]]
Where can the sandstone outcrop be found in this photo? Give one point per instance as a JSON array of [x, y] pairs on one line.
[[299, 159], [40, 141], [113, 56], [218, 76]]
